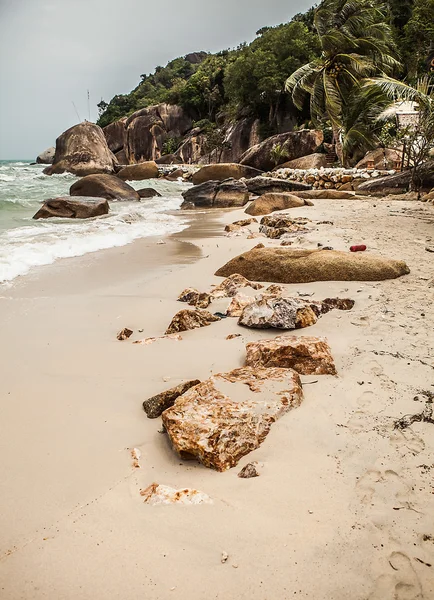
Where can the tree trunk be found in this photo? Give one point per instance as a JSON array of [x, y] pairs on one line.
[[338, 144]]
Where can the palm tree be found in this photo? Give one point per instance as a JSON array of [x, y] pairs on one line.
[[356, 43]]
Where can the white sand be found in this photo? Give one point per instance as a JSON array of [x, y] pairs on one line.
[[344, 506]]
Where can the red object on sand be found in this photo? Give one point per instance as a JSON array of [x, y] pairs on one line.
[[360, 248]]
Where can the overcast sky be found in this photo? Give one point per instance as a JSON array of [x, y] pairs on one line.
[[53, 51]]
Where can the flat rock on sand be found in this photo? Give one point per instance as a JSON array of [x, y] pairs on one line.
[[270, 202], [284, 265], [227, 416]]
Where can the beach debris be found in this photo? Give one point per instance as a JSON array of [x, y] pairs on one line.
[[358, 248], [285, 265], [190, 319], [135, 455], [195, 298], [219, 429], [275, 226], [306, 355], [232, 336], [425, 416], [150, 340], [249, 471], [124, 334], [156, 494], [154, 406], [224, 557]]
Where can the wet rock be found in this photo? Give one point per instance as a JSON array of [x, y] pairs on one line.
[[104, 186], [216, 194], [73, 208], [285, 265], [154, 406], [124, 334], [222, 171], [279, 313], [148, 193], [249, 471], [190, 319], [157, 494], [306, 355], [227, 416], [268, 185], [46, 157], [271, 202], [144, 170], [195, 298]]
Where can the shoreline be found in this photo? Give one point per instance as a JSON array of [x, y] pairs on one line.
[[341, 491]]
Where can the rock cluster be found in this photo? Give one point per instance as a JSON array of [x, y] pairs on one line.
[[190, 319], [228, 288], [330, 178], [276, 226]]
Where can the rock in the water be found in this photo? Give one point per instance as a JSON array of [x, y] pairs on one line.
[[306, 355], [148, 193], [274, 226], [154, 406], [73, 208], [46, 157], [311, 161], [230, 286], [296, 143], [269, 185], [285, 265], [124, 334], [82, 150], [190, 319], [195, 298], [249, 471], [222, 171], [104, 186], [278, 313], [144, 170], [156, 494], [218, 429], [216, 194], [268, 203]]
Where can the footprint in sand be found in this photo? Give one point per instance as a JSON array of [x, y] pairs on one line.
[[407, 441], [402, 584], [387, 488]]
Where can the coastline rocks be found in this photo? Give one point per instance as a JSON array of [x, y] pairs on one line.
[[219, 429], [190, 319], [400, 181], [238, 225], [275, 226], [311, 161], [195, 298], [330, 178], [306, 355], [104, 186], [271, 202], [278, 313], [284, 265], [154, 406], [115, 134], [230, 286], [222, 171], [297, 143], [77, 208], [144, 170], [157, 494], [148, 193], [46, 157], [216, 194], [266, 185], [82, 150]]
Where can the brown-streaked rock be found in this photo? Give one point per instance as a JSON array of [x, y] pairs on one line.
[[104, 186], [124, 334], [222, 171], [73, 208], [154, 406], [278, 313], [230, 286], [238, 304], [157, 494], [268, 203], [306, 355], [144, 170], [190, 319], [238, 225], [249, 471], [285, 265], [195, 298], [274, 226], [176, 337], [227, 416]]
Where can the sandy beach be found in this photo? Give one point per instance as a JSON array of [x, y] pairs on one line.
[[344, 506]]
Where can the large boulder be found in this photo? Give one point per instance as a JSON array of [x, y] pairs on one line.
[[311, 161], [240, 136], [382, 158], [46, 157], [121, 157], [284, 265], [325, 194], [148, 193], [222, 171], [269, 185], [306, 355], [219, 421], [216, 194], [72, 208], [400, 182], [144, 170], [268, 203], [82, 150], [115, 134], [192, 148], [104, 186], [296, 143]]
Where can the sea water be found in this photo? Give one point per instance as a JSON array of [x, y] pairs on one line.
[[26, 243]]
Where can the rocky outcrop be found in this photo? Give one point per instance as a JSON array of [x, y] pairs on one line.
[[381, 158], [69, 208], [276, 226], [268, 185], [154, 406], [46, 157], [190, 319], [240, 136], [192, 148], [115, 134], [306, 355], [284, 265], [311, 161], [148, 193], [195, 298], [82, 150], [222, 171], [392, 184], [104, 186], [296, 143], [271, 202], [156, 494], [218, 430], [216, 194], [144, 170], [121, 157]]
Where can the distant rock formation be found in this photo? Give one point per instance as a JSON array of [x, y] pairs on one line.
[[46, 157]]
